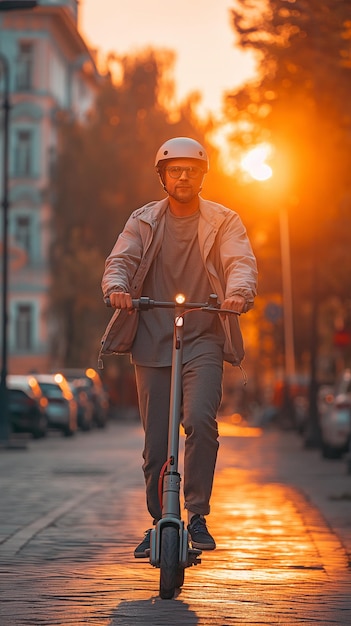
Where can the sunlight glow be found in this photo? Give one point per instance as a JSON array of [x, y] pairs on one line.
[[229, 152], [254, 162], [233, 430]]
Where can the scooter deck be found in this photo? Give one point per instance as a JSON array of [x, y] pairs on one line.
[[193, 556]]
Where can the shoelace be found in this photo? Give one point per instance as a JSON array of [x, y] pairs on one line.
[[199, 525]]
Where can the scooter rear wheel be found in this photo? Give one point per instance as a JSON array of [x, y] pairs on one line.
[[169, 562]]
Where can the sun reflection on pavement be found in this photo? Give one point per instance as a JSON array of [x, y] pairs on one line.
[[236, 426]]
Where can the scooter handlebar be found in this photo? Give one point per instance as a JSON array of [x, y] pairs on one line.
[[144, 303]]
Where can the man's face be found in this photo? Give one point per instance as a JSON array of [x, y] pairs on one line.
[[188, 185]]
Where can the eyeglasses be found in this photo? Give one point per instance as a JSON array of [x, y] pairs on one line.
[[192, 171]]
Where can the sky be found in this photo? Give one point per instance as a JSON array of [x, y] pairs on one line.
[[199, 31]]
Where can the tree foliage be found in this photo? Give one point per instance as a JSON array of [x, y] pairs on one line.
[[300, 104]]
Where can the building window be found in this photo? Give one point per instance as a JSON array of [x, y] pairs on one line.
[[23, 149], [24, 327], [22, 233], [24, 68]]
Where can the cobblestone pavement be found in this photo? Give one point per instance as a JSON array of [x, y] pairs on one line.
[[72, 511]]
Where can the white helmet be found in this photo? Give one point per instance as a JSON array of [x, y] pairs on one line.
[[181, 148]]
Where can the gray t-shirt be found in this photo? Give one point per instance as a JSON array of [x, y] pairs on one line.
[[178, 268]]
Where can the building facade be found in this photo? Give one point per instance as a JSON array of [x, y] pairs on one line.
[[51, 70]]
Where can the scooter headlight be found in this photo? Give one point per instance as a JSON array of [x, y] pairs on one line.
[[180, 298]]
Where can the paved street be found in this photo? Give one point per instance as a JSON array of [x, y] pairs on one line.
[[72, 511]]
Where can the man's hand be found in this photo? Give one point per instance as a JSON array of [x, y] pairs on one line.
[[121, 300], [234, 303]]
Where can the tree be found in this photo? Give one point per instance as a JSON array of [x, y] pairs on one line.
[[300, 104]]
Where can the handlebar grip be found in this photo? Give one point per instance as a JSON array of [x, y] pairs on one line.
[[228, 312], [135, 302]]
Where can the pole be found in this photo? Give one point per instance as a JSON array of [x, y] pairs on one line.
[[288, 414], [313, 433], [287, 296], [4, 414]]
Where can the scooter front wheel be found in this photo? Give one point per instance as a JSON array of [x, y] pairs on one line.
[[179, 577], [169, 569]]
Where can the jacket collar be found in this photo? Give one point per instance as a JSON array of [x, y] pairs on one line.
[[152, 213], [212, 212]]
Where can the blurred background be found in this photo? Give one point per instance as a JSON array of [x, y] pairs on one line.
[[81, 120]]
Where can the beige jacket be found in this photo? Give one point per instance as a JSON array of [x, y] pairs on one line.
[[227, 257]]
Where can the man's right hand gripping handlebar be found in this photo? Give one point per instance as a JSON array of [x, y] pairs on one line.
[[119, 300]]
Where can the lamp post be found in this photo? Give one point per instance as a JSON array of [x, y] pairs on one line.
[[289, 345], [6, 5], [254, 163], [287, 296]]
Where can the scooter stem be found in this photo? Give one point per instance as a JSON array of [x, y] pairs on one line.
[[171, 485]]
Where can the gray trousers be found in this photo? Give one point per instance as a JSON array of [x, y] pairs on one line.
[[201, 397]]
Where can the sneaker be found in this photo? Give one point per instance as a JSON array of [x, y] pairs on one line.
[[200, 537], [143, 549]]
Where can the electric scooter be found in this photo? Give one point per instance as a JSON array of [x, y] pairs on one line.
[[169, 542]]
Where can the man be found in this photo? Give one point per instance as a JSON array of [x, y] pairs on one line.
[[184, 244]]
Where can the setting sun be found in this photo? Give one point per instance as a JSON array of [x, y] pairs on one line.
[[254, 162]]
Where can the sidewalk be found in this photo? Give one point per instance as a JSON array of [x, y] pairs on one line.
[[72, 511], [325, 483]]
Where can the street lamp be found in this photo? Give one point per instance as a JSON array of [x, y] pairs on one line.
[[254, 163], [8, 5], [287, 295]]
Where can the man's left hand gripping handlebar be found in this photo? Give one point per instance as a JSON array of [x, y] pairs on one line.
[[235, 303]]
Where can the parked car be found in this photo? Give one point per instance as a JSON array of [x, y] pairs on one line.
[[27, 406], [61, 409], [335, 417], [95, 390], [85, 406]]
